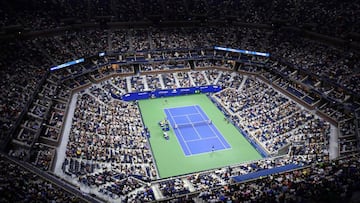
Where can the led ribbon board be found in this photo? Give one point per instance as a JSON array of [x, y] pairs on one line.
[[242, 51], [70, 63]]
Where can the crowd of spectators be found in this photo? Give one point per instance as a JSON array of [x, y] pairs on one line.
[[82, 163], [253, 115], [20, 184], [43, 121], [169, 80], [211, 185], [43, 156], [336, 18], [173, 187], [299, 84], [93, 40], [184, 79], [273, 119], [106, 147], [336, 114], [199, 78], [205, 182], [108, 70], [234, 100], [329, 181], [119, 41], [137, 83], [225, 78], [15, 96], [347, 137], [121, 163], [335, 64], [45, 52], [307, 136]]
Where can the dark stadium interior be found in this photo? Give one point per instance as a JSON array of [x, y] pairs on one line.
[[65, 136]]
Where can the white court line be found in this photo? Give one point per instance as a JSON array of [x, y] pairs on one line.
[[217, 135], [179, 132], [208, 138], [201, 153], [211, 127], [199, 136], [197, 107]]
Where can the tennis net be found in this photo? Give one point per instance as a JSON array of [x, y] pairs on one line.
[[181, 125]]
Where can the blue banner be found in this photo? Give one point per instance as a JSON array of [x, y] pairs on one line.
[[167, 92], [136, 96]]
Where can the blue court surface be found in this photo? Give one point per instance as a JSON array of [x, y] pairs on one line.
[[194, 130]]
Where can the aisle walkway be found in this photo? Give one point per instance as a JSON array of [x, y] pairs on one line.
[[334, 143], [60, 151]]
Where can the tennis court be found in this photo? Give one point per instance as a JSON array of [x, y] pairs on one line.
[[194, 130], [192, 113]]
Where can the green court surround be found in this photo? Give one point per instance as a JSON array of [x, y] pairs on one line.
[[169, 157]]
